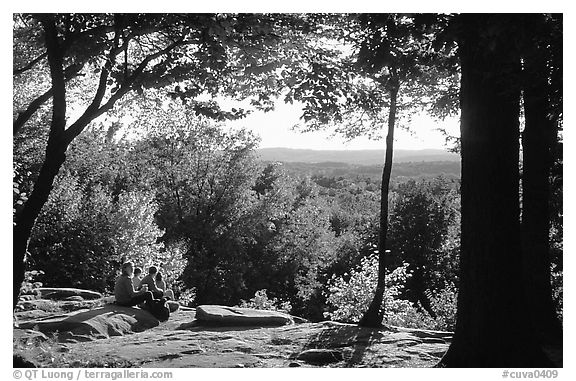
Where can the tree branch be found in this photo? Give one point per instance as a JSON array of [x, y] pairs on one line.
[[55, 61], [88, 115], [23, 117], [127, 85], [30, 65]]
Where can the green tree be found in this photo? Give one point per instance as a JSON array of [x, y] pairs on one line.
[[202, 177], [390, 66], [84, 231], [121, 54], [305, 249], [421, 220], [93, 218]]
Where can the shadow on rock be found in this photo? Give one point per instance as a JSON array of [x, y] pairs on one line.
[[339, 342], [99, 323]]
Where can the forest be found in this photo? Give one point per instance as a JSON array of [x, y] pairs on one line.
[[121, 152]]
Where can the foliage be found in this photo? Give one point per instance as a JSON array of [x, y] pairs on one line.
[[350, 295], [443, 303], [558, 291], [83, 234], [260, 301], [424, 232], [346, 85], [202, 178], [102, 59], [30, 285], [18, 197], [241, 226], [170, 261], [136, 231], [186, 298]]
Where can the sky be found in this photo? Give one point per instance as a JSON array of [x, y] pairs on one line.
[[275, 130]]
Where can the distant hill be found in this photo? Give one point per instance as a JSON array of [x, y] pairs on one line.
[[359, 157]]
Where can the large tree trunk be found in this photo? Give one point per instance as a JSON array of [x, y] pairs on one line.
[[375, 313], [493, 327], [538, 139], [55, 156], [59, 138]]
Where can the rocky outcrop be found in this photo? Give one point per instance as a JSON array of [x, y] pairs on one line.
[[236, 316], [66, 293], [320, 356], [99, 323], [183, 341]]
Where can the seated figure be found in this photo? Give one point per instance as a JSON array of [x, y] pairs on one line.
[[150, 281], [137, 279], [161, 284], [124, 289]]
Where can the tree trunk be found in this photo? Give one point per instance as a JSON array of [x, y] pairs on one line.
[[55, 156], [58, 140], [375, 313], [492, 327], [537, 141]]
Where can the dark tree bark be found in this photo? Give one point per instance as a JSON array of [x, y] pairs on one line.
[[23, 117], [55, 156], [493, 326], [375, 313], [59, 139], [538, 138]]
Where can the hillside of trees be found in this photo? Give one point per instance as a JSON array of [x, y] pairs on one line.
[[401, 172], [223, 226], [359, 157]]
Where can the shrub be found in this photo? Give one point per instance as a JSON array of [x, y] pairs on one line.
[[30, 286], [350, 295], [444, 304], [186, 297], [260, 301], [83, 233]]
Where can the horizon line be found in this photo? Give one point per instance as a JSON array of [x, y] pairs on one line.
[[358, 149]]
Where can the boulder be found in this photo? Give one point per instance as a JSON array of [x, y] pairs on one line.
[[28, 336], [103, 322], [320, 356], [233, 316], [173, 306], [63, 293], [28, 297], [74, 298]]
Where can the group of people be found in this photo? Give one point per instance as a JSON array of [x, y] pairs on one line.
[[130, 289]]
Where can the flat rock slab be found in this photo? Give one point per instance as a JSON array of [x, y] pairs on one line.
[[64, 293], [320, 356], [236, 316], [29, 336], [99, 323]]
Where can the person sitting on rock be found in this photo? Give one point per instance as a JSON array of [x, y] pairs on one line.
[[137, 279], [168, 293], [150, 281], [124, 289]]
